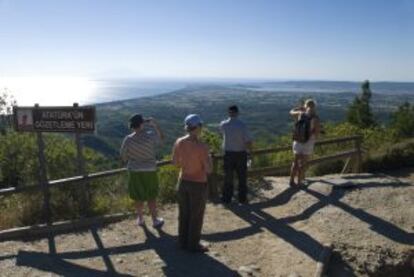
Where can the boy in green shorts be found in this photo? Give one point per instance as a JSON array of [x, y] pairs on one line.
[[138, 151]]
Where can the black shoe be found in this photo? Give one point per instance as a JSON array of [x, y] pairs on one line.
[[200, 249], [244, 201], [225, 201]]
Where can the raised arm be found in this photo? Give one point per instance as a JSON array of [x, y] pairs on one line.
[[295, 112], [157, 128]]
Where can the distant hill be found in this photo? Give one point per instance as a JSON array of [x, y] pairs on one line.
[[120, 89], [334, 86], [265, 111]]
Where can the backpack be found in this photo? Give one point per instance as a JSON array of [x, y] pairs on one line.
[[302, 129]]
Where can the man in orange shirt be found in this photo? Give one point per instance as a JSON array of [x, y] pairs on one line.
[[192, 156]]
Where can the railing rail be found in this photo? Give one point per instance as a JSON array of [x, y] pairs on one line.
[[356, 152], [353, 156]]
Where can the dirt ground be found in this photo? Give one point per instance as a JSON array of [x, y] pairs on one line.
[[368, 219]]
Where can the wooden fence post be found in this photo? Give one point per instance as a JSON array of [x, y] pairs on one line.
[[85, 195], [358, 159], [43, 182]]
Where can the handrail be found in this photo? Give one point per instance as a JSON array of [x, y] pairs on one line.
[[73, 179], [113, 172], [289, 147]]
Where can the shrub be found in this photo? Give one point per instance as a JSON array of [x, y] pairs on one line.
[[326, 168], [168, 176], [391, 157]]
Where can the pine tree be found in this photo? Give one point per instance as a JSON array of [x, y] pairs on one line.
[[402, 120], [359, 112]]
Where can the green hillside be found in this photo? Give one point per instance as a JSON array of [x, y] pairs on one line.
[[265, 112]]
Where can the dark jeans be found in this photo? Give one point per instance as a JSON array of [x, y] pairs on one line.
[[235, 162], [192, 197]]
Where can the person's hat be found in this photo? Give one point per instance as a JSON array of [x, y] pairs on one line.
[[192, 120], [135, 121]]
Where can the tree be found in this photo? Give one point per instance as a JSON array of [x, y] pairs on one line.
[[402, 120], [7, 102], [213, 140], [359, 112]]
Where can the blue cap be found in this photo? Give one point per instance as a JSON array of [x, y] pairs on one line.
[[192, 120]]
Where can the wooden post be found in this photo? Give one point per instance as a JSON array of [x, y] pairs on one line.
[[358, 158], [85, 194], [346, 166], [43, 182]]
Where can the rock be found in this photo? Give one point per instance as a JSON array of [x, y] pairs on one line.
[[215, 254], [254, 267], [246, 270], [119, 261], [206, 244], [294, 274], [158, 262]]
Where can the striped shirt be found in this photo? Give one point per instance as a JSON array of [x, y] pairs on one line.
[[138, 150]]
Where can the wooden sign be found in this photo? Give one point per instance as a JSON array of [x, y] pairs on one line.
[[54, 119]]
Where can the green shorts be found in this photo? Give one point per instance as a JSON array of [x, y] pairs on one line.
[[143, 186]]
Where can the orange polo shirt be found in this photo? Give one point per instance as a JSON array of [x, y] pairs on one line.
[[193, 158]]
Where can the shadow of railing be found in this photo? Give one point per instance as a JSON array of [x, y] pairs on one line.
[[176, 262], [258, 219]]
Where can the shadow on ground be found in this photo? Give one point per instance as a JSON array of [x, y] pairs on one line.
[[180, 263], [175, 262]]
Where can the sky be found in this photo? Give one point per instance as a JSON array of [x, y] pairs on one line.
[[186, 39]]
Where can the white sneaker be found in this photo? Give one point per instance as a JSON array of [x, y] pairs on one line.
[[158, 222], [140, 221]]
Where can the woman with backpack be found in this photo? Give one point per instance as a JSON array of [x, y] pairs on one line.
[[306, 131]]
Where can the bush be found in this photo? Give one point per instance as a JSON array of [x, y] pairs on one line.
[[392, 157], [20, 209], [326, 168], [168, 176]]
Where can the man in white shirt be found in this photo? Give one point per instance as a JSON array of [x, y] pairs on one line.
[[236, 142]]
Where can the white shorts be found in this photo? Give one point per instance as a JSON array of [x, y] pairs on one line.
[[303, 148]]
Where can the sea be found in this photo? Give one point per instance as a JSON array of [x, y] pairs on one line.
[[64, 91]]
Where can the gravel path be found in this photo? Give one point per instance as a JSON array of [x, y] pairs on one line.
[[368, 219]]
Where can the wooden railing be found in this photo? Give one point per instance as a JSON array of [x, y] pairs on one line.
[[353, 154]]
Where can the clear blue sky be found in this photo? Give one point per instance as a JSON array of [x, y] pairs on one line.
[[308, 39]]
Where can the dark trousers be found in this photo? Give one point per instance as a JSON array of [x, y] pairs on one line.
[[192, 197], [235, 162]]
